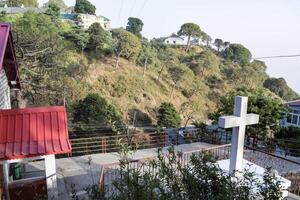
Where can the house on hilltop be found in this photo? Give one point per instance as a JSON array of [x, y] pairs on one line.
[[84, 21], [174, 39]]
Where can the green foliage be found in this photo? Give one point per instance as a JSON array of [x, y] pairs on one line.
[[126, 44], [288, 132], [238, 53], [26, 3], [269, 109], [79, 37], [40, 50], [218, 43], [280, 88], [15, 3], [168, 178], [168, 116], [84, 7], [191, 30], [204, 63], [147, 54], [270, 189], [94, 109], [53, 10], [59, 3], [135, 26], [99, 39]]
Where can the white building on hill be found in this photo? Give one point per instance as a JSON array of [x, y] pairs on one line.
[[174, 40], [84, 21]]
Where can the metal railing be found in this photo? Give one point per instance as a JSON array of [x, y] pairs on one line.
[[106, 144]]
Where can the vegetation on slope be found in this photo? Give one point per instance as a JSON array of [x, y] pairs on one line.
[[62, 64]]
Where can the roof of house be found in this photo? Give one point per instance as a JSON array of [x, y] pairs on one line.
[[32, 132], [17, 10], [294, 103], [173, 35], [8, 60]]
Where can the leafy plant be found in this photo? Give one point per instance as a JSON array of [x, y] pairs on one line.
[[168, 116]]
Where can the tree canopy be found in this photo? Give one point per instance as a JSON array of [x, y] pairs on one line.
[[190, 30], [280, 88], [27, 3], [168, 116], [135, 26], [84, 7], [126, 45], [59, 3], [94, 109], [238, 53], [99, 39]]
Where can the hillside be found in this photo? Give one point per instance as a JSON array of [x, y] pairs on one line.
[[61, 64]]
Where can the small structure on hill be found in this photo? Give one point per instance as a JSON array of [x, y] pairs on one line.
[[27, 134], [174, 39]]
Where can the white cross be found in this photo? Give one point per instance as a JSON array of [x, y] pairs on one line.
[[238, 122]]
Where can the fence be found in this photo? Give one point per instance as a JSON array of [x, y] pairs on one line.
[[106, 144]]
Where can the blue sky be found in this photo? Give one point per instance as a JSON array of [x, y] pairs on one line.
[[266, 27]]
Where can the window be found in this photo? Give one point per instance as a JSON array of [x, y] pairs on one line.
[[289, 118], [295, 119]]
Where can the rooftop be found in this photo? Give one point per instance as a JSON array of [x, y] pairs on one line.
[[32, 132], [294, 103]]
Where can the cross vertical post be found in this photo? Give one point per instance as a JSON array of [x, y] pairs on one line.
[[238, 124]]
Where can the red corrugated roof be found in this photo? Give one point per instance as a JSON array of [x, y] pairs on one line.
[[7, 54], [33, 132]]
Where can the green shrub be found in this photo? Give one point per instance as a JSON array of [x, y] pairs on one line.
[[95, 110], [168, 116]]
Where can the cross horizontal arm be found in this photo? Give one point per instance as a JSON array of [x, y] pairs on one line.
[[234, 121]]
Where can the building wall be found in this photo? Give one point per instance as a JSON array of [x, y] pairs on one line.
[[292, 118], [86, 20], [4, 91], [175, 41]]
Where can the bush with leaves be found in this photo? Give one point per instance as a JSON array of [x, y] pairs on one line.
[[167, 177], [168, 116], [126, 45], [95, 110], [238, 53], [84, 7]]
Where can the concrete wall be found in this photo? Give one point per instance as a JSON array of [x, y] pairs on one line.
[[175, 41]]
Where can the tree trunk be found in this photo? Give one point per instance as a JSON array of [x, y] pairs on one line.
[[117, 60], [145, 66], [188, 44], [187, 121], [160, 72], [173, 87]]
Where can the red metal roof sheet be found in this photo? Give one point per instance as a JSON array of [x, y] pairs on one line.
[[7, 54], [33, 132]]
